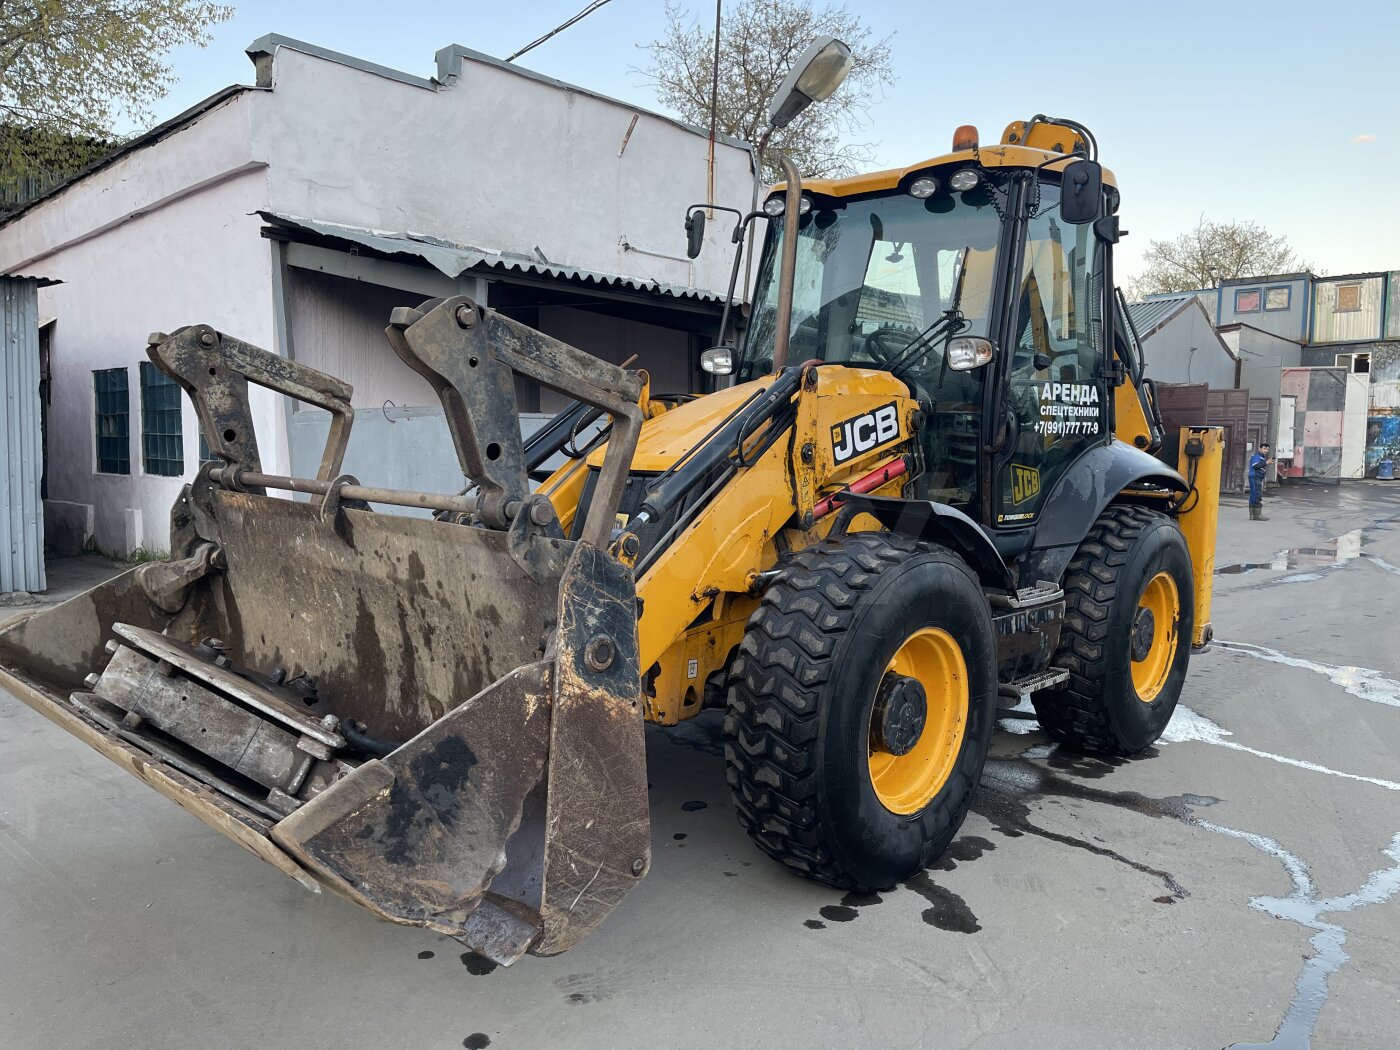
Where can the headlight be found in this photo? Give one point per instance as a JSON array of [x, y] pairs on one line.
[[776, 205], [964, 180], [718, 360], [924, 186], [968, 352]]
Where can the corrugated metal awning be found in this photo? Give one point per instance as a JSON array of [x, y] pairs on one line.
[[456, 259], [1150, 315], [39, 282]]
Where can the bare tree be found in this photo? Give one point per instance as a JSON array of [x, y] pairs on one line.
[[1211, 253], [69, 69], [759, 42]]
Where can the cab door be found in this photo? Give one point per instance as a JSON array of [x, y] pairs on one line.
[[1055, 396]]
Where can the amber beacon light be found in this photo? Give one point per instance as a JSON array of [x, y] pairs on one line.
[[965, 137]]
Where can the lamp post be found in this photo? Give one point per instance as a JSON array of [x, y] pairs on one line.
[[814, 77]]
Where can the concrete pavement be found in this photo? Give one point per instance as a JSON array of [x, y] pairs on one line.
[[1238, 883]]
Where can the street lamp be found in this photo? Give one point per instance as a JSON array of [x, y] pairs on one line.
[[814, 77]]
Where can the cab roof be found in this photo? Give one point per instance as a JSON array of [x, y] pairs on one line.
[[1044, 143]]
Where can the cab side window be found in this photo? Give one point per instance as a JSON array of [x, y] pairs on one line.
[[1056, 393]]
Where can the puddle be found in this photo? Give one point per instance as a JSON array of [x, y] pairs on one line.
[[1187, 725], [1015, 782], [477, 965], [1313, 563], [967, 848], [1305, 908], [1008, 787], [1335, 553], [947, 910], [1360, 682], [861, 900]]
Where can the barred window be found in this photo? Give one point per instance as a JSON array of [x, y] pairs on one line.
[[162, 438], [112, 420]]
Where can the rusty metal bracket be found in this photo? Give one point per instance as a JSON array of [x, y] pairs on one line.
[[215, 370], [335, 497], [167, 584]]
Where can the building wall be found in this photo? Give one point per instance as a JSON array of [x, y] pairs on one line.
[[198, 259], [1290, 322], [1263, 357], [1318, 422], [498, 161], [1187, 350], [1334, 319], [168, 235], [1383, 419], [337, 326], [214, 147], [1392, 306], [400, 437]]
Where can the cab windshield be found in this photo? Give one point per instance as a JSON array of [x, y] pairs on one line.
[[874, 273]]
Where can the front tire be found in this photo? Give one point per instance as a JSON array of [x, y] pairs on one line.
[[861, 708], [1126, 639]]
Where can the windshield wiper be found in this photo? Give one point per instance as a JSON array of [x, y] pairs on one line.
[[947, 324]]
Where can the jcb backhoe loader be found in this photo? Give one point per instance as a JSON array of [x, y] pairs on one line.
[[930, 484]]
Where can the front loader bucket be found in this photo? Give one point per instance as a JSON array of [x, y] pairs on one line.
[[439, 719]]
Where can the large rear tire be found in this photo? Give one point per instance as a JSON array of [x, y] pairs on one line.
[[861, 706], [1126, 639]]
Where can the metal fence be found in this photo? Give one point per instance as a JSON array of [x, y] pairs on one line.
[[21, 446]]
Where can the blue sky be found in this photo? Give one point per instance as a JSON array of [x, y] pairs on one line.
[[1284, 113]]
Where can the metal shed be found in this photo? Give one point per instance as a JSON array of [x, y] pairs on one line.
[[21, 444]]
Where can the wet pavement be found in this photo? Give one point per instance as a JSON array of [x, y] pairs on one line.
[[1237, 886]]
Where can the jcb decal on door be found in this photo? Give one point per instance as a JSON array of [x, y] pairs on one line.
[[1025, 483], [864, 432]]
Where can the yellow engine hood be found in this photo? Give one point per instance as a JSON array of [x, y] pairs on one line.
[[667, 437]]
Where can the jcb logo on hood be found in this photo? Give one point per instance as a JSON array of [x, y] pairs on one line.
[[864, 432]]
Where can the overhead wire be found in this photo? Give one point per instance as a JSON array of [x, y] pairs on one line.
[[558, 29]]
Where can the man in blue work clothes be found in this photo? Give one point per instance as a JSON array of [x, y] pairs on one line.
[[1258, 467]]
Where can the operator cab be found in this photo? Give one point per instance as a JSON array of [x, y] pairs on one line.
[[899, 271]]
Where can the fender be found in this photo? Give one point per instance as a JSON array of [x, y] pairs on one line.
[[1094, 481], [926, 520]]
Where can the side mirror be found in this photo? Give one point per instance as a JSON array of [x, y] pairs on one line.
[[718, 360], [1081, 192], [694, 232]]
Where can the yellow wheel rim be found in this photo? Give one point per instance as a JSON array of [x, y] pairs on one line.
[[1154, 637], [905, 783]]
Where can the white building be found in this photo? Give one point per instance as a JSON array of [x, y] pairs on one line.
[[297, 213]]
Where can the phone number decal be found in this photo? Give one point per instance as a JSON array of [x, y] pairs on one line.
[[1067, 426]]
